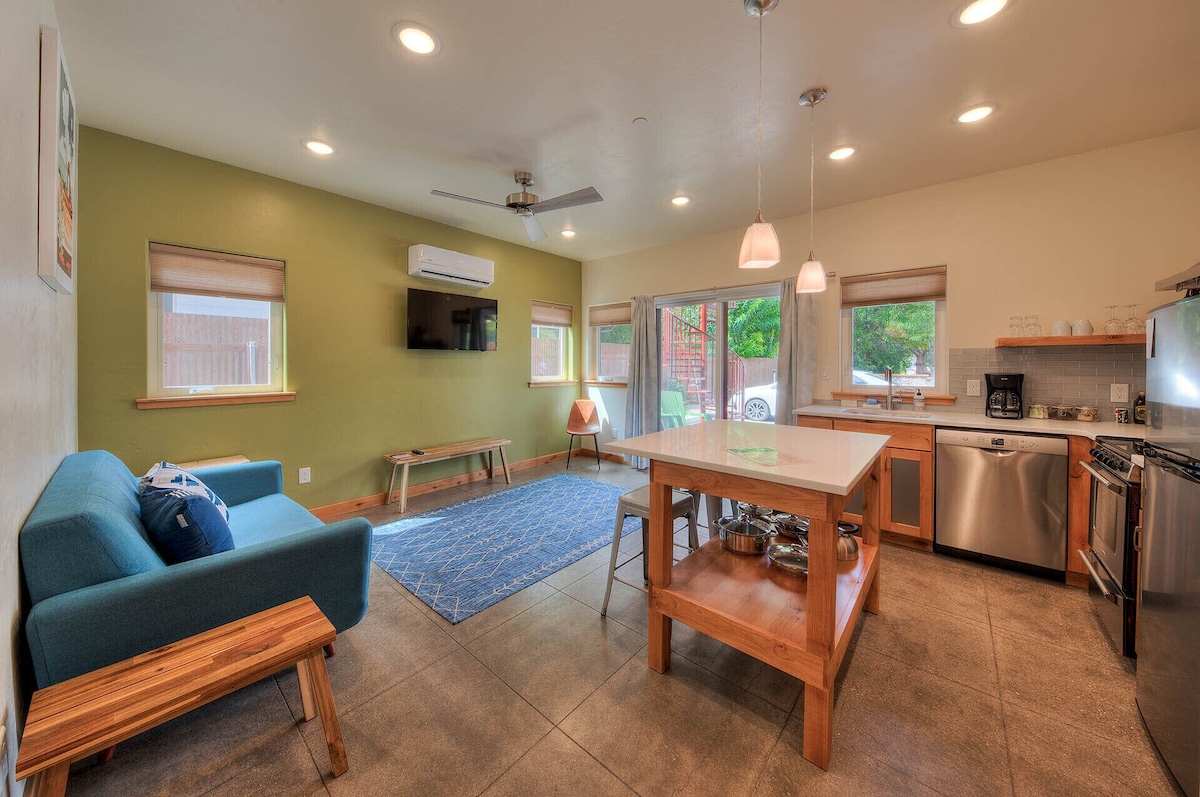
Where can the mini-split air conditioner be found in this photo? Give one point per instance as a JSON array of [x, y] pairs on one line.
[[432, 263]]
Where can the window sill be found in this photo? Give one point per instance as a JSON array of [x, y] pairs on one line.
[[605, 383], [212, 400], [554, 383], [907, 398]]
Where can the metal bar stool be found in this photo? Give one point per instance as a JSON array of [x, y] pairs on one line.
[[636, 503]]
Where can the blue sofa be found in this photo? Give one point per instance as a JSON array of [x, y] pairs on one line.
[[99, 593]]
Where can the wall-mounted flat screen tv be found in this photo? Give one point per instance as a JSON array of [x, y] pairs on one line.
[[450, 321]]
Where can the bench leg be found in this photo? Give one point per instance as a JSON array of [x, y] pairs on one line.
[[391, 485], [504, 464], [307, 699], [330, 650], [107, 754], [50, 782], [329, 719], [491, 466], [404, 488]]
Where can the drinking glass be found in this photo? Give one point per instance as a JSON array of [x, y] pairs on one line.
[[1133, 324], [1114, 325], [1032, 328], [1016, 326]]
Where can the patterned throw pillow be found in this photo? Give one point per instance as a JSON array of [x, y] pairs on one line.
[[166, 476]]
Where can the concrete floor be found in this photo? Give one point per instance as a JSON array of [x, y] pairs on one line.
[[970, 681]]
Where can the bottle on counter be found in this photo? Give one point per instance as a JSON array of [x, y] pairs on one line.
[[919, 401], [1139, 407]]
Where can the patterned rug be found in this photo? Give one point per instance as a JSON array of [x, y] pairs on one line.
[[464, 557]]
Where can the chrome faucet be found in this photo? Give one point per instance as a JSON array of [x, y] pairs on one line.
[[888, 402]]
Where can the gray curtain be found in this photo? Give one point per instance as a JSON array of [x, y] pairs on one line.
[[797, 350], [641, 396]]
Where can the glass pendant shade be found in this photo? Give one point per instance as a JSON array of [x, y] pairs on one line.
[[812, 276], [760, 247]]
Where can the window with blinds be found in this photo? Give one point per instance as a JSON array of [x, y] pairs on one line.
[[551, 331], [895, 321], [215, 322], [611, 331]]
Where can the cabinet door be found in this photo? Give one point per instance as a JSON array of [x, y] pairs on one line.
[[906, 490]]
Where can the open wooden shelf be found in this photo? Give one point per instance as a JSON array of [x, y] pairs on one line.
[[747, 603], [1073, 340]]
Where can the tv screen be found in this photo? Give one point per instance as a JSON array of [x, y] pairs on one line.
[[450, 321]]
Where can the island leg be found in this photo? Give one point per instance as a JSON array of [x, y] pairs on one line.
[[822, 603], [870, 531], [658, 560], [818, 724]]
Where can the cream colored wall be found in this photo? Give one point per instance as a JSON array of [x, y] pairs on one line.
[[37, 360], [1061, 239]]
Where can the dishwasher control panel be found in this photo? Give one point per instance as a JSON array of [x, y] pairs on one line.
[[974, 438]]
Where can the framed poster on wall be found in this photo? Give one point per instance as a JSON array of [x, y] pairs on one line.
[[57, 168]]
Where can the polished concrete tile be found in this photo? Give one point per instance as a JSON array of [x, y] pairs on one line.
[[284, 765], [947, 584], [556, 654], [556, 765], [1053, 613]]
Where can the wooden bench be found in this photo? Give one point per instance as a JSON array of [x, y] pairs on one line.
[[438, 453], [90, 713]]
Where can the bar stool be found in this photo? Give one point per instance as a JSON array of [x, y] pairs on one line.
[[636, 503]]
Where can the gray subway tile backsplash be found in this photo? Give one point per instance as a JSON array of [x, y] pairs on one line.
[[1054, 375]]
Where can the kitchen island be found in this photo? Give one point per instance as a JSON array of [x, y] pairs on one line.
[[799, 625]]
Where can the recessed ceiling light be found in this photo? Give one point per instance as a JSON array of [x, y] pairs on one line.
[[841, 153], [975, 114], [977, 11], [319, 147], [417, 38], [680, 201], [568, 233]]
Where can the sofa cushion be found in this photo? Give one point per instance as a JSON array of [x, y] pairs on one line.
[[183, 525], [166, 475], [269, 518], [85, 529]]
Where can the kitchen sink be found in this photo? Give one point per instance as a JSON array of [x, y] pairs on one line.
[[881, 412]]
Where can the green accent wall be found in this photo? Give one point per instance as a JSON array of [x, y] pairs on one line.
[[360, 393]]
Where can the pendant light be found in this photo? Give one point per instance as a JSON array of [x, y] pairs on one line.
[[760, 246], [812, 273]]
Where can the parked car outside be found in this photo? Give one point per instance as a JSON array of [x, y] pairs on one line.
[[758, 403]]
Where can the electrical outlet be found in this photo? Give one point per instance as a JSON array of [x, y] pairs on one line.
[[305, 475], [1118, 394], [973, 387], [824, 373]]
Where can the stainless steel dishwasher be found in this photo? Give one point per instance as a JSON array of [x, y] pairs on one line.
[[1002, 499]]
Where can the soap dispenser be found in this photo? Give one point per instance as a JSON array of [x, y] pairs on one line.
[[919, 401]]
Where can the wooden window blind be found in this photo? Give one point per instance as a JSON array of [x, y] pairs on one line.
[[893, 287], [199, 272], [604, 315], [546, 314]]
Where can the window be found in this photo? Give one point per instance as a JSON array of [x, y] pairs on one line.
[[215, 323], [549, 354], [895, 320], [611, 332]]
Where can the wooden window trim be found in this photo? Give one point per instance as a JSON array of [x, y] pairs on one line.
[[212, 400]]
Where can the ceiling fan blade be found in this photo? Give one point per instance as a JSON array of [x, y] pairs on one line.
[[436, 192], [584, 196], [533, 227]]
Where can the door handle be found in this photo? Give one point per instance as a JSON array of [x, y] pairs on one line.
[[1098, 476], [1096, 579], [1137, 538]]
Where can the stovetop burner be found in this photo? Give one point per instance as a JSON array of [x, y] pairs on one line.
[[1116, 453]]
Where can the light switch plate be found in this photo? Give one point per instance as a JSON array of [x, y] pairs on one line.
[[1118, 394], [305, 475], [824, 373], [973, 387]]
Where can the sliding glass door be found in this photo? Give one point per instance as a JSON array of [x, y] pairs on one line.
[[719, 355]]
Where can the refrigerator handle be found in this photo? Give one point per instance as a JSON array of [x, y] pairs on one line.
[[1137, 538]]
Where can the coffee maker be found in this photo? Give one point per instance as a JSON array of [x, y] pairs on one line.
[[1004, 395]]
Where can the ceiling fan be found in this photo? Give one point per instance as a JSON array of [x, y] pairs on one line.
[[527, 205]]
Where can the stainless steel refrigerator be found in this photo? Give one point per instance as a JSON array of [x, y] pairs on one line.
[[1168, 638]]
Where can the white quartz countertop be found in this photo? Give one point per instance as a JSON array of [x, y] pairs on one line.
[[815, 459], [971, 420]]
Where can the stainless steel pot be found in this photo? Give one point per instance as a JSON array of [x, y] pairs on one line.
[[793, 527], [745, 534]]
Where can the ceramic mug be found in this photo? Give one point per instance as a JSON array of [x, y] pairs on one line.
[[1081, 327], [1062, 328]]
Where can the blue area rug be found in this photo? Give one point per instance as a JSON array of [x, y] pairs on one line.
[[464, 557]]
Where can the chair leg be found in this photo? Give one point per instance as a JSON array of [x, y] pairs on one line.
[[612, 560], [596, 443], [569, 445]]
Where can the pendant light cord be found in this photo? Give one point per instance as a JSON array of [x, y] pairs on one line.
[[812, 171], [760, 109]]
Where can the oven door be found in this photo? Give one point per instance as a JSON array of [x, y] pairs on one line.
[[1107, 531]]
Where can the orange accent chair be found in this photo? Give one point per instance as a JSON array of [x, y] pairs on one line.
[[583, 421]]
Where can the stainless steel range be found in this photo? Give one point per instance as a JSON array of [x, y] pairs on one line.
[[1112, 560]]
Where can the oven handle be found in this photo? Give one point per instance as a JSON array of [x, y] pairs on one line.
[[1098, 476], [1096, 579]]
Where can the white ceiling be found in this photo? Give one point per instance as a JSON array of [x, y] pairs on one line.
[[552, 87]]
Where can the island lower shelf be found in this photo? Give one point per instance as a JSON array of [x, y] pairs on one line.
[[750, 605]]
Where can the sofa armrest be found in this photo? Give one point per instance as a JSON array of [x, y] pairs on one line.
[[80, 631], [237, 484]]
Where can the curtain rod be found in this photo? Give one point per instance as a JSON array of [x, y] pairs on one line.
[[714, 289]]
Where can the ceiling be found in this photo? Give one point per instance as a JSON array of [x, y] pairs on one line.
[[553, 86]]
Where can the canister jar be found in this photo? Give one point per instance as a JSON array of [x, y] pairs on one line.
[[1037, 411], [1087, 413]]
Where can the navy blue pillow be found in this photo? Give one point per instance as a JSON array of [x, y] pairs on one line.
[[183, 526]]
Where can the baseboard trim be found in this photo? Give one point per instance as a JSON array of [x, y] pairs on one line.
[[379, 499]]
